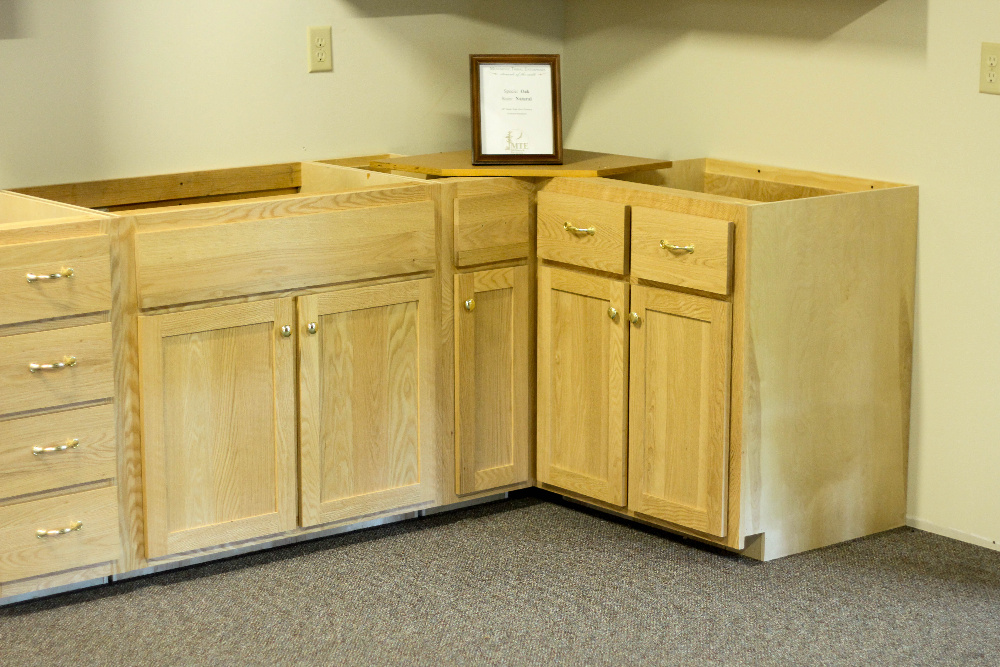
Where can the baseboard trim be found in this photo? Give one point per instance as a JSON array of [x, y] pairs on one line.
[[921, 524]]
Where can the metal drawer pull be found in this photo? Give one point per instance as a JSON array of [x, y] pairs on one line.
[[72, 443], [470, 305], [66, 362], [579, 230], [41, 532], [63, 273], [666, 245]]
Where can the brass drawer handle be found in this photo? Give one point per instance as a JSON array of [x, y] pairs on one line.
[[72, 443], [41, 532], [579, 230], [667, 245], [470, 305], [63, 273], [65, 363]]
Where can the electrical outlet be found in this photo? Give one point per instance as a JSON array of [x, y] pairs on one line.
[[989, 71], [320, 49]]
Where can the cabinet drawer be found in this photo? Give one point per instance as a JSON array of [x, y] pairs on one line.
[[600, 243], [90, 516], [229, 259], [683, 250], [90, 376], [36, 283], [492, 228], [88, 436]]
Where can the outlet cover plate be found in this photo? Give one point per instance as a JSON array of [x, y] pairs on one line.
[[989, 69], [320, 49]]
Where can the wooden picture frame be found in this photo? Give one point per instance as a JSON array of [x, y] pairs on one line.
[[516, 109]]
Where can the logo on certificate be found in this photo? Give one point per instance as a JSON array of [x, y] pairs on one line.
[[515, 142]]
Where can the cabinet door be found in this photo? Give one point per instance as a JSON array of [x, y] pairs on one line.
[[493, 428], [582, 379], [218, 424], [679, 408], [366, 400]]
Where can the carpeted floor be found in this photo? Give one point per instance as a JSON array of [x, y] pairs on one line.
[[530, 582]]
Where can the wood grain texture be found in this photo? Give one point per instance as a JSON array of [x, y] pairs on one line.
[[493, 430], [217, 261], [21, 208], [23, 554], [218, 411], [708, 268], [813, 183], [491, 223], [94, 457], [603, 251], [679, 409], [830, 321], [90, 379], [323, 177], [164, 187], [366, 388], [88, 290], [582, 383], [65, 578], [575, 163]]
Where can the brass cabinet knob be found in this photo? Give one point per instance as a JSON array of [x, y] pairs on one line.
[[286, 331], [470, 305], [634, 318], [311, 327], [612, 313]]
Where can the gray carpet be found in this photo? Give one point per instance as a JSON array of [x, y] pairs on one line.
[[530, 582]]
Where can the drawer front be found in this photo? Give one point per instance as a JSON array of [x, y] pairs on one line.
[[492, 228], [54, 279], [217, 261], [559, 216], [90, 377], [90, 522], [56, 450], [683, 250]]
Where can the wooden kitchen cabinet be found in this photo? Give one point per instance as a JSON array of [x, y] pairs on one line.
[[493, 411], [366, 396], [582, 383], [218, 416], [679, 359]]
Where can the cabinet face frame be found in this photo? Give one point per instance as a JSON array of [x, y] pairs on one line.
[[153, 331], [492, 366], [312, 383], [608, 395], [701, 405]]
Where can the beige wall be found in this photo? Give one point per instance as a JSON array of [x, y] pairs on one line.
[[884, 89], [93, 89]]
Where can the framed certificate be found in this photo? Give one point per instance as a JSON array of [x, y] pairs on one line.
[[516, 109]]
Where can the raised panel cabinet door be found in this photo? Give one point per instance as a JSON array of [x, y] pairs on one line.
[[218, 424], [366, 400], [493, 427], [679, 408], [582, 383]]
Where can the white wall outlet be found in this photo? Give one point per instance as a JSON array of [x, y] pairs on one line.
[[989, 71], [320, 49]]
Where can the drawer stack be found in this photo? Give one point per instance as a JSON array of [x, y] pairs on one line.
[[58, 500]]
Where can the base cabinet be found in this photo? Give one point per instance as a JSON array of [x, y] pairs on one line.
[[493, 401], [366, 396], [679, 358], [218, 414], [582, 383]]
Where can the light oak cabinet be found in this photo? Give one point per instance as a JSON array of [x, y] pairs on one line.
[[366, 400], [218, 414], [582, 383], [679, 359], [493, 406]]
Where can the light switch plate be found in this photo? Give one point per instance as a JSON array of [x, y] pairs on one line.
[[320, 49], [989, 71]]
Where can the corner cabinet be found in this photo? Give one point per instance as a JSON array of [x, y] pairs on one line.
[[218, 414], [366, 396]]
